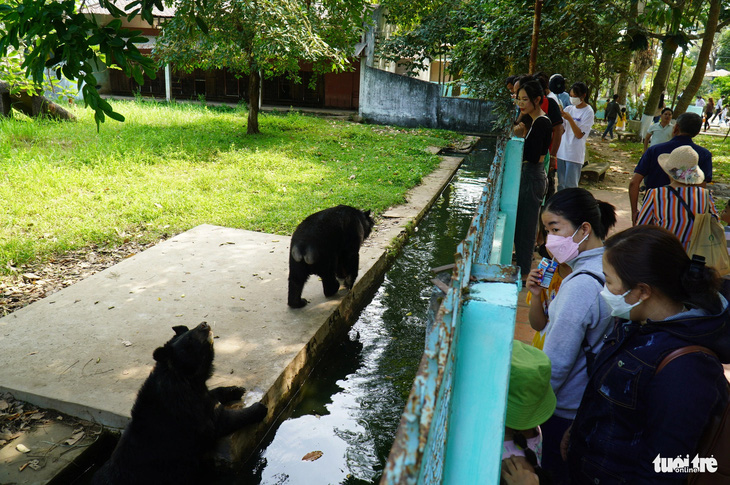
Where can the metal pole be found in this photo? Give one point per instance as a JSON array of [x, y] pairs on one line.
[[168, 83]]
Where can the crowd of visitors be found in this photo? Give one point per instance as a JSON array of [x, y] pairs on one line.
[[632, 329]]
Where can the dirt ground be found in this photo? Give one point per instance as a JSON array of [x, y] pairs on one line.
[[28, 283], [622, 163]]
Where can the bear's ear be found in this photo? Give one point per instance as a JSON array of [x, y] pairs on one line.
[[180, 329], [162, 354]]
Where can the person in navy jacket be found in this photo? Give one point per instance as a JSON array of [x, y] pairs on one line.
[[631, 416]]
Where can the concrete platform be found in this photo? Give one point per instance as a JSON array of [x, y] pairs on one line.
[[86, 350]]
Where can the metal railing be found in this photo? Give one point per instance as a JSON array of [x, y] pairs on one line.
[[452, 427]]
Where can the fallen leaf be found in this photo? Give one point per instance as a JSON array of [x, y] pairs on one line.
[[4, 405], [312, 455], [75, 438], [126, 343], [8, 436], [22, 448]]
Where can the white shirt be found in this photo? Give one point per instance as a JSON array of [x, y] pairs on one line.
[[660, 134], [700, 102], [719, 104], [555, 97], [573, 149]]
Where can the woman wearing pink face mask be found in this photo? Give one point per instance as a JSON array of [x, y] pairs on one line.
[[576, 225]]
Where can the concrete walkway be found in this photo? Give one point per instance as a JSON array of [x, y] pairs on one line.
[[87, 349]]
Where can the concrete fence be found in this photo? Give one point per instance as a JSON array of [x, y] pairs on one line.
[[392, 99]]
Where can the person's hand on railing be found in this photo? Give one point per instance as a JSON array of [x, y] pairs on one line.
[[520, 129]]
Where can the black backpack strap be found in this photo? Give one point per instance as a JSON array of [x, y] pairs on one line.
[[600, 280], [587, 349], [681, 201]]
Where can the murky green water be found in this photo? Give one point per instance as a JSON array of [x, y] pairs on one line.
[[351, 405]]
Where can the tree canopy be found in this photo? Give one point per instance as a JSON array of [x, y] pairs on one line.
[[55, 35], [250, 37], [585, 40], [262, 38], [484, 40]]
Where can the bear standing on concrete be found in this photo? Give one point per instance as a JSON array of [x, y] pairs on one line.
[[327, 244], [176, 420]]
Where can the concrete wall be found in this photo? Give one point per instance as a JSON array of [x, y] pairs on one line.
[[388, 98]]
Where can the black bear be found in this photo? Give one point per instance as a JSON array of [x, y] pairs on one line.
[[176, 419], [327, 243]]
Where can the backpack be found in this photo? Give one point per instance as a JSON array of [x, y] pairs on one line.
[[707, 238], [715, 441]]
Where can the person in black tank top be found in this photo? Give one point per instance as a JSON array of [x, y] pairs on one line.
[[533, 181]]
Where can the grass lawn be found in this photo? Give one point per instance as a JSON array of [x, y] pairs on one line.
[[718, 146], [168, 168]]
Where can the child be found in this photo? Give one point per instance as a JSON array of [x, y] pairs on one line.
[[621, 121], [530, 402]]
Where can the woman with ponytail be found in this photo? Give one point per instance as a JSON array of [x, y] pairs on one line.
[[576, 225], [637, 405]]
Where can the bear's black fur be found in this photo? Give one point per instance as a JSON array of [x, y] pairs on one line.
[[327, 244], [176, 419]]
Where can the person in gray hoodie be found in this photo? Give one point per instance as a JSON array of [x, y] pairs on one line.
[[576, 224]]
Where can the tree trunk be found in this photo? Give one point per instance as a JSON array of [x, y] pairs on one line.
[[699, 74], [31, 105], [5, 105], [660, 76], [660, 82], [623, 83], [679, 79], [625, 64], [254, 88], [535, 36]]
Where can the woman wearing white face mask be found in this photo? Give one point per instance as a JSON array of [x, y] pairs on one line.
[[577, 121], [576, 225], [637, 405]]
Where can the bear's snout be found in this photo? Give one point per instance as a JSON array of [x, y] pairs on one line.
[[203, 332]]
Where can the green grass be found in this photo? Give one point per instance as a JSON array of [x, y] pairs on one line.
[[168, 168], [720, 154], [718, 146]]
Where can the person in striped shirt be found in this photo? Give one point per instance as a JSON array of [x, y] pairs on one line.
[[662, 206], [725, 217]]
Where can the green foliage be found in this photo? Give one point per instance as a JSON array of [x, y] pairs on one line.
[[171, 167], [721, 85], [55, 35], [723, 50], [487, 40]]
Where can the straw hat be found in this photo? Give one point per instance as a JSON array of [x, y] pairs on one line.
[[681, 165], [530, 400]]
